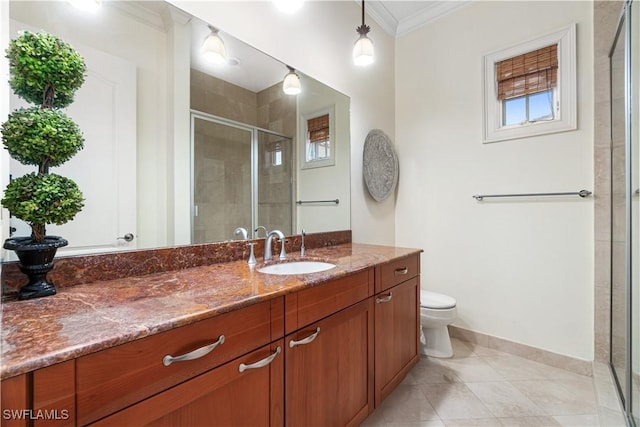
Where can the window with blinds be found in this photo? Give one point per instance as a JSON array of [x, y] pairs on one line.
[[530, 88], [525, 85], [532, 72], [318, 138]]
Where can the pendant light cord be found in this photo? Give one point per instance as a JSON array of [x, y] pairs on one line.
[[363, 29]]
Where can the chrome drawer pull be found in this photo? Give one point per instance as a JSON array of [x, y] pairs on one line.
[[306, 340], [401, 271], [384, 299], [195, 354], [260, 363]]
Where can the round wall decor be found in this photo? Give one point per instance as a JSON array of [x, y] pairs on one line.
[[380, 165]]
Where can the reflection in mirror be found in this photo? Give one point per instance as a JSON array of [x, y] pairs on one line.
[[180, 151], [634, 71]]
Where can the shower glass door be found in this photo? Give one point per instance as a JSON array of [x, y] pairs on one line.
[[221, 180], [242, 176], [634, 63], [619, 232], [625, 212]]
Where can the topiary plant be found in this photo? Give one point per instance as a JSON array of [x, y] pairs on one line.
[[45, 71]]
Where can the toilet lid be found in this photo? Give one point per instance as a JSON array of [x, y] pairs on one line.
[[430, 299]]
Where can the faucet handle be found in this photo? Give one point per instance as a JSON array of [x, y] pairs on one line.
[[252, 257], [283, 254]]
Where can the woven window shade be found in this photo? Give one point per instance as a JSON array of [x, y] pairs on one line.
[[318, 128], [532, 72]]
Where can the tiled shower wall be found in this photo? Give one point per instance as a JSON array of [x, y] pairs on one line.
[[606, 15], [223, 169]]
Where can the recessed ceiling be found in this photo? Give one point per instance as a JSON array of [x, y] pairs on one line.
[[399, 17]]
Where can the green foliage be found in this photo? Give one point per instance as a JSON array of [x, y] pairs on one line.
[[43, 199], [39, 61], [45, 71], [34, 136]]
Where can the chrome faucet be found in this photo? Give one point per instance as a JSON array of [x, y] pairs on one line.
[[302, 248], [267, 244], [242, 232], [261, 227]]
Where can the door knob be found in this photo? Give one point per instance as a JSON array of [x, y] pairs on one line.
[[127, 237]]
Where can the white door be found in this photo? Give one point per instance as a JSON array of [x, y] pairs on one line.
[[105, 170]]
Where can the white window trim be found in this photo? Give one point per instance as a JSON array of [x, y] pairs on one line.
[[493, 130], [331, 161]]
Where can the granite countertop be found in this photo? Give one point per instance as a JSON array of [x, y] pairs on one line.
[[83, 319]]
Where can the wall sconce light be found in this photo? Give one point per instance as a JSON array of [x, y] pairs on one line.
[[91, 6], [213, 48], [363, 49], [291, 84]]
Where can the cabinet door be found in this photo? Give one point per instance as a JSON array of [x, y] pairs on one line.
[[329, 369], [14, 400], [397, 320], [245, 392]]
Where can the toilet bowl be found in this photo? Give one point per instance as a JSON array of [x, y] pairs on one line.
[[437, 311]]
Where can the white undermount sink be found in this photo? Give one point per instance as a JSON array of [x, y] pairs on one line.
[[297, 267]]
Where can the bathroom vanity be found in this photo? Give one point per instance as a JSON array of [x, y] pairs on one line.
[[219, 344]]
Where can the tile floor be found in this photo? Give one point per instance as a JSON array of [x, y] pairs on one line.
[[480, 386]]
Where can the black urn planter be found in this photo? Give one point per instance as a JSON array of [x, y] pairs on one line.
[[36, 260]]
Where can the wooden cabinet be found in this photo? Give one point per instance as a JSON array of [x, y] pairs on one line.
[[397, 323], [245, 392], [115, 378], [328, 369], [42, 398], [397, 334], [322, 356], [14, 398], [396, 272]]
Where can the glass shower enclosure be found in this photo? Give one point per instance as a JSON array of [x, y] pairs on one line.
[[242, 176], [625, 231]]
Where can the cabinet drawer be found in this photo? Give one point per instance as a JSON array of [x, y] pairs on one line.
[[117, 377], [395, 272], [230, 395], [313, 304]]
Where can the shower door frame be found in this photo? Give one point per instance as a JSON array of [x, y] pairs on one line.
[[254, 130], [625, 385]]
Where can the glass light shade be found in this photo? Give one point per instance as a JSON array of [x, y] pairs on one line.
[[363, 51], [291, 84], [213, 49]]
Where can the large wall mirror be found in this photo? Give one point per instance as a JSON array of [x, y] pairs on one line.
[[181, 151]]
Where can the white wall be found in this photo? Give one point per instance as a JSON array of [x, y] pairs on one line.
[[324, 183], [520, 269], [318, 40]]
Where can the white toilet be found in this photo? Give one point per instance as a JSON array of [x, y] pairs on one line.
[[436, 312]]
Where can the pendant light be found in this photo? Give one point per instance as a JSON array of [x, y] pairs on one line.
[[363, 49], [291, 84], [213, 48]]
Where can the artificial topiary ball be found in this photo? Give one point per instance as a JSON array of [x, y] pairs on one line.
[[43, 199], [41, 61], [41, 135]]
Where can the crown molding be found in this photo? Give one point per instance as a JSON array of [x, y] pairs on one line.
[[431, 11]]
